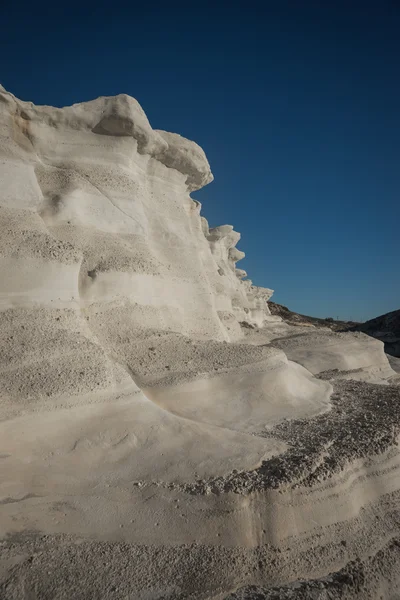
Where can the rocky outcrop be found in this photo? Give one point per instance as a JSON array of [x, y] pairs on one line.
[[148, 397], [354, 355], [238, 301], [96, 178], [98, 230]]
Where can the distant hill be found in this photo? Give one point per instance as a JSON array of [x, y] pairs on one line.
[[297, 319], [385, 328]]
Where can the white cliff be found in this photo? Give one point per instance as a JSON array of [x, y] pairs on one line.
[[142, 372]]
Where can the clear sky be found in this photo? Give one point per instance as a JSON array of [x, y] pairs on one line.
[[296, 104]]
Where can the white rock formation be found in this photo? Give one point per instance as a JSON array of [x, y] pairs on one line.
[[134, 353], [96, 178], [356, 355], [110, 279], [238, 301]]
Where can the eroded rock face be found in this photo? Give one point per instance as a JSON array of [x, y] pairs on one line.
[[96, 218], [95, 178], [354, 354], [238, 301], [100, 237], [142, 373]]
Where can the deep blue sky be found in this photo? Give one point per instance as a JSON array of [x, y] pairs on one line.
[[297, 105]]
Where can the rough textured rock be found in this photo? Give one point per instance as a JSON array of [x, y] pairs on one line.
[[162, 435], [238, 301], [322, 350]]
